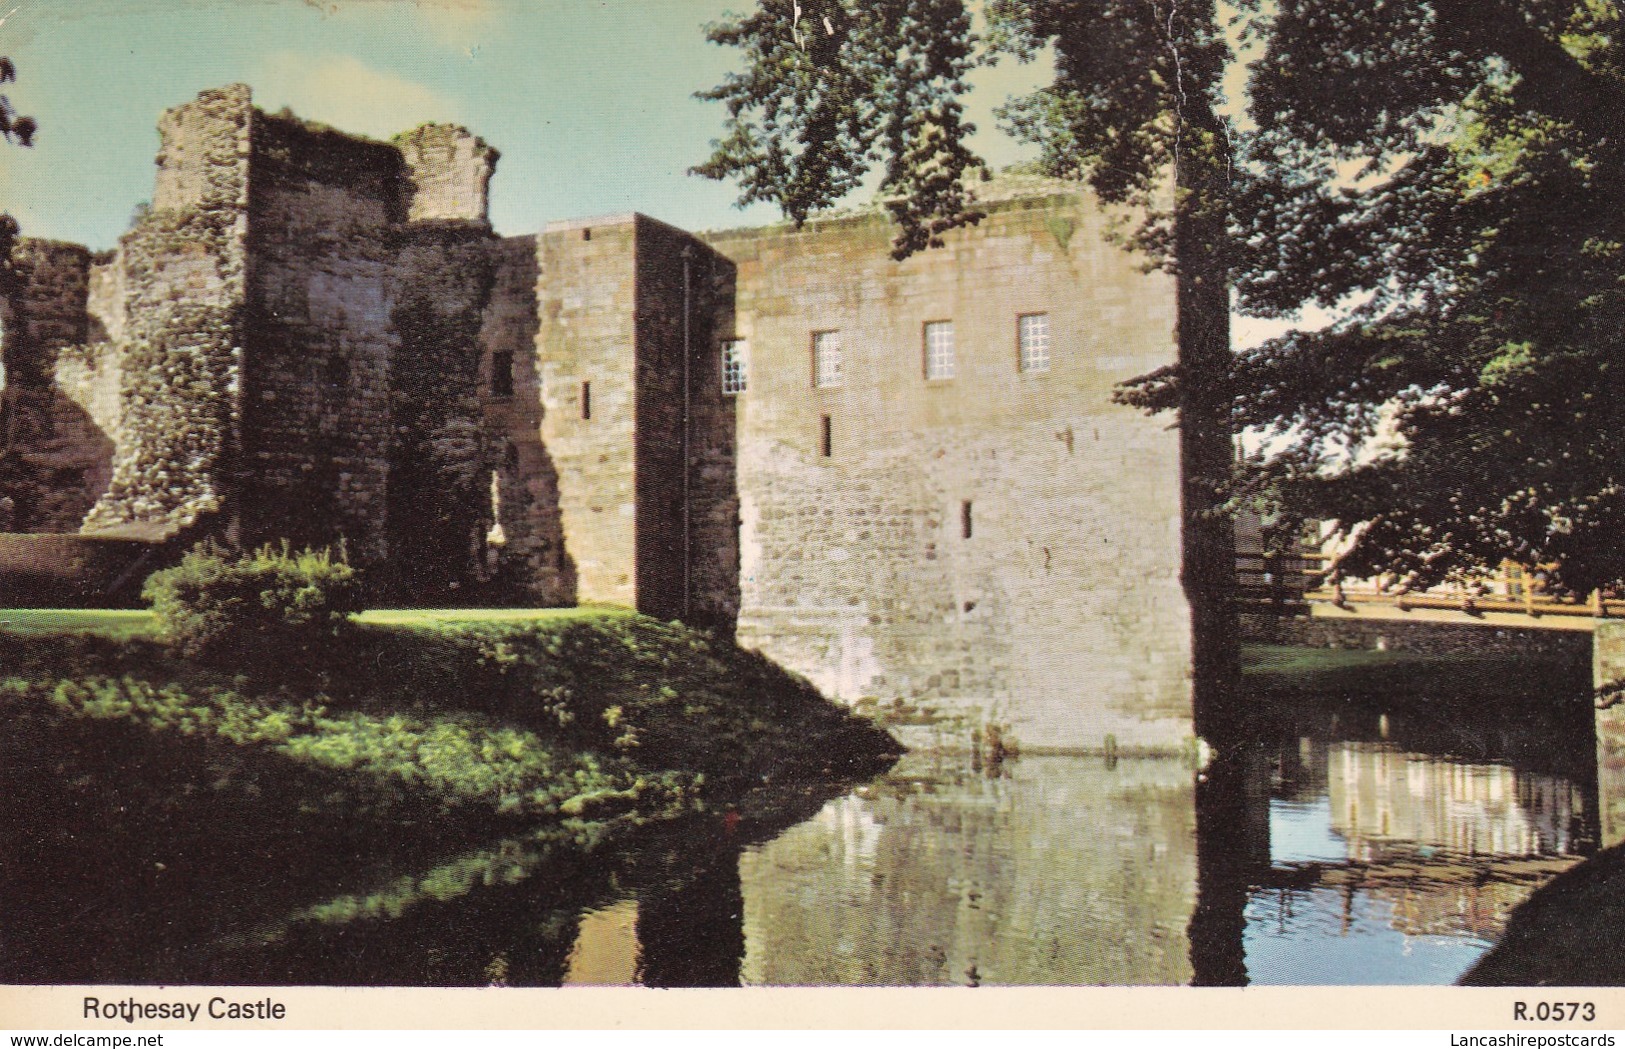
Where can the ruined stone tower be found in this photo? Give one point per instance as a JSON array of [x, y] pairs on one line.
[[905, 480]]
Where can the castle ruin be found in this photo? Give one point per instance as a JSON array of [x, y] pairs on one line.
[[905, 480]]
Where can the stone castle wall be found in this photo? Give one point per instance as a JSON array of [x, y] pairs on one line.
[[316, 401], [55, 460], [445, 267], [524, 557], [312, 336], [372, 272], [683, 465], [183, 273], [55, 287], [999, 547], [587, 332], [440, 506], [629, 311], [713, 447], [294, 321]]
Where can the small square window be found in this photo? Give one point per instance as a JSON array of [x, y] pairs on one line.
[[939, 350], [733, 366], [1032, 336], [826, 354]]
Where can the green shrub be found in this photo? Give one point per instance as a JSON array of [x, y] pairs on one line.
[[218, 604]]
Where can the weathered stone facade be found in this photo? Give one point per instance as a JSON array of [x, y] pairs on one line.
[[317, 337], [56, 444], [995, 547]]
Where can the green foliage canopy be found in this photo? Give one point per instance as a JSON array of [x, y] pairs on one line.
[[14, 127], [1441, 174], [831, 89]]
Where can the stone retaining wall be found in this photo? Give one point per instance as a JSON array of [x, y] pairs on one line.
[[1431, 638], [71, 571]]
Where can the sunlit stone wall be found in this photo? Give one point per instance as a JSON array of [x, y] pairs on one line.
[[999, 546]]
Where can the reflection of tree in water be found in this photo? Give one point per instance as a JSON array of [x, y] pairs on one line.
[[691, 927], [180, 882], [1232, 851], [511, 913]]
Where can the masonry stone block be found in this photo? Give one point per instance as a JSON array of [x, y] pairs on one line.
[[914, 488]]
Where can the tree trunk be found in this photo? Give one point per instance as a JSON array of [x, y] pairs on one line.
[[1208, 565]]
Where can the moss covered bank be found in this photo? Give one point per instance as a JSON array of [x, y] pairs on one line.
[[229, 798], [486, 719]]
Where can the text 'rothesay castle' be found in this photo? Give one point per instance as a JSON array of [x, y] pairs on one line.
[[905, 480]]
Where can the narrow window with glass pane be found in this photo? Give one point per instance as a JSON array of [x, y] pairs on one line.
[[826, 351], [733, 366], [1033, 337], [939, 350]]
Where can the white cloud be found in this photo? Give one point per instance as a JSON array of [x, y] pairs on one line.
[[460, 23], [347, 93]]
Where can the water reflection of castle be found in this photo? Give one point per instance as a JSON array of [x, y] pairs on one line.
[[928, 877], [934, 877], [1431, 847], [1384, 801]]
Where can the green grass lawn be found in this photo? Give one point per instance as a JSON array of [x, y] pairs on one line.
[[1287, 669], [107, 622], [1287, 659], [432, 617], [474, 706], [137, 623], [1262, 666]]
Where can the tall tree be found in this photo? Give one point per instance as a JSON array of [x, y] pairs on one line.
[[1440, 174], [1449, 184], [831, 89], [20, 130], [13, 126]]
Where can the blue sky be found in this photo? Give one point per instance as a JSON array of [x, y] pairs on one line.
[[589, 101]]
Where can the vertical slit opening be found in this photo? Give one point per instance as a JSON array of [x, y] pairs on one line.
[[965, 518], [502, 373], [827, 438], [586, 400], [495, 536]]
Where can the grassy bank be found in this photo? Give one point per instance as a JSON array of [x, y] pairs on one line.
[[1280, 670], [174, 812], [484, 716]]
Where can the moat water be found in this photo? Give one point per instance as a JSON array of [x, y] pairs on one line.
[[1344, 844]]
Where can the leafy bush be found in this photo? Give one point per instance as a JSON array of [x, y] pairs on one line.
[[369, 761], [216, 604]]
